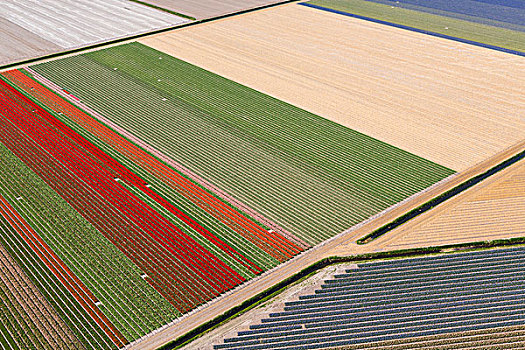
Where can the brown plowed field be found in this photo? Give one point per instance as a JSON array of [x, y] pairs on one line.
[[452, 103]]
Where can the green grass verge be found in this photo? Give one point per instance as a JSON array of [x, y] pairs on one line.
[[296, 168], [506, 38]]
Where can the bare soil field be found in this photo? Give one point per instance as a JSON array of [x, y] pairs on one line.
[[449, 102], [208, 8], [34, 28], [493, 209]]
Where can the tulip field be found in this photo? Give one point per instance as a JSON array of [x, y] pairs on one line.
[[131, 196], [122, 252]]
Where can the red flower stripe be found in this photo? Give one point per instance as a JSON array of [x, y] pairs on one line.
[[210, 271], [273, 243], [126, 175]]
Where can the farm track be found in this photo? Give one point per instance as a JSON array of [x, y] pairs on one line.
[[76, 184], [493, 209], [166, 191], [341, 245], [448, 102]]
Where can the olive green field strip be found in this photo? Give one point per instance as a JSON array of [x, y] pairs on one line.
[[161, 186], [78, 320], [311, 176], [118, 285], [454, 27]]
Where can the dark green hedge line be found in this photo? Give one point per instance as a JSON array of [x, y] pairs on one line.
[[134, 37]]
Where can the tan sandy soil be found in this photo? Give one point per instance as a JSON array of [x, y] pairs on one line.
[[469, 230], [493, 209], [452, 103], [208, 8]]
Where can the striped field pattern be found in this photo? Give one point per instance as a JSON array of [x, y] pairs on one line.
[[386, 304], [288, 164], [121, 256]]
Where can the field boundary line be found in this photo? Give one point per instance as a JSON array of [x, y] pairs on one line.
[[444, 197], [417, 30], [278, 288]]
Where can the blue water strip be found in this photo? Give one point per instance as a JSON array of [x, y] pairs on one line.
[[417, 30]]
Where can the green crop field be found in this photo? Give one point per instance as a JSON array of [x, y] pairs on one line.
[[310, 175], [464, 29]]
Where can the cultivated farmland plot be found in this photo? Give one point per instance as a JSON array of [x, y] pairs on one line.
[[209, 8], [37, 27], [314, 177], [491, 22], [494, 209], [448, 102], [118, 258], [464, 300]]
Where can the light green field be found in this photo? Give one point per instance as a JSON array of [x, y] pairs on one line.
[[506, 38], [128, 301]]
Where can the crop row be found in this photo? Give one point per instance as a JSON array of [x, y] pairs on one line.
[[296, 168], [270, 242], [131, 304], [26, 318], [85, 329], [195, 267], [79, 291]]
